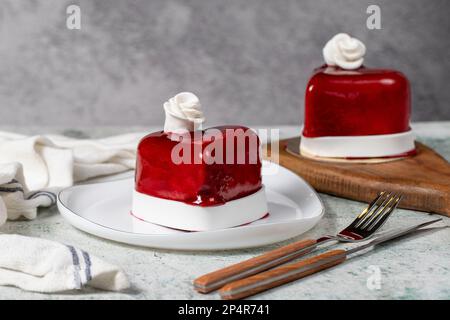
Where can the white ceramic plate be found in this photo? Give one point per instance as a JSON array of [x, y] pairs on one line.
[[103, 209]]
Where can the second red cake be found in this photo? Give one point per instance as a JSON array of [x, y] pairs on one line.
[[354, 112]]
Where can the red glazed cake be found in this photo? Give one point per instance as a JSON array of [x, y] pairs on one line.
[[193, 179], [197, 182], [354, 112]]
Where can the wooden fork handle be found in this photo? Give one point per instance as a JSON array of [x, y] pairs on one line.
[[219, 278], [281, 275]]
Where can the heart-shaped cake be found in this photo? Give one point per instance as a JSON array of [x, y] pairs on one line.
[[355, 112], [193, 179], [204, 179]]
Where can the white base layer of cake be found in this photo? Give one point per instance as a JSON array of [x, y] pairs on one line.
[[179, 215], [375, 146]]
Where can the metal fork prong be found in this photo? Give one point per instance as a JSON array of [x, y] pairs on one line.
[[371, 205], [372, 209], [391, 201], [368, 210], [385, 197], [383, 218]]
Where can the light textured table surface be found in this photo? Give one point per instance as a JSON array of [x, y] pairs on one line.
[[417, 268]]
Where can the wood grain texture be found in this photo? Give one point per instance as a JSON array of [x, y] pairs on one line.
[[214, 280], [423, 179], [281, 275]]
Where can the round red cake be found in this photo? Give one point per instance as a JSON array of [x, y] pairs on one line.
[[355, 112]]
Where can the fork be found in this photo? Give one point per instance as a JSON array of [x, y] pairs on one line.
[[364, 226]]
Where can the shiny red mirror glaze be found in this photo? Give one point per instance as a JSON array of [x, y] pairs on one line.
[[356, 102], [197, 183]]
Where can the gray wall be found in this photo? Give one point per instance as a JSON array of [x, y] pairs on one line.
[[248, 60]]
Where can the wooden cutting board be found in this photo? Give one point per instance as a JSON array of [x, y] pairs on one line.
[[424, 179]]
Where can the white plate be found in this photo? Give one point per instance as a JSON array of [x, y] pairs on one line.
[[103, 209]]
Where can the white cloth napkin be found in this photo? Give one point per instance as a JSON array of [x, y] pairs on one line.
[[41, 265], [34, 168]]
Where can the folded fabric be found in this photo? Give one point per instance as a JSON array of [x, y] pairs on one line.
[[34, 168], [41, 265], [15, 199]]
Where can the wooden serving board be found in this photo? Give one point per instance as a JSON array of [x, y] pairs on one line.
[[423, 179]]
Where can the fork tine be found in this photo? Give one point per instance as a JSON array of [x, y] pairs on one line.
[[385, 197], [373, 217], [370, 206], [367, 210], [378, 211], [383, 217]]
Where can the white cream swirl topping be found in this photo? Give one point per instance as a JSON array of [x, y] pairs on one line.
[[344, 51], [183, 112]]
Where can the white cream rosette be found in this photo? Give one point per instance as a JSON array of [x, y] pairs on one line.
[[344, 51], [183, 112]]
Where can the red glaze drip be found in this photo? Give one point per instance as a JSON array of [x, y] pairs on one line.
[[356, 102], [197, 183]]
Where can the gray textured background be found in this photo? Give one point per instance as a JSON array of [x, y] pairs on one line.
[[247, 60]]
